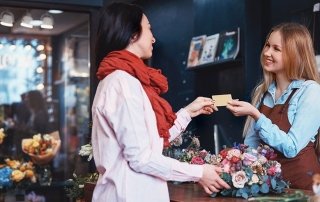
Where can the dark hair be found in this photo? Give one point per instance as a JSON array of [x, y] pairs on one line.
[[119, 22], [36, 100]]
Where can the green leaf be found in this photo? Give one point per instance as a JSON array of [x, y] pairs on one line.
[[227, 178], [239, 193], [245, 195], [226, 192], [264, 188], [273, 183], [248, 172], [265, 178], [255, 189]]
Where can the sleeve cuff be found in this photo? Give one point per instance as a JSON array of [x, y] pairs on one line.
[[183, 119], [180, 124], [183, 112], [186, 172], [259, 122]]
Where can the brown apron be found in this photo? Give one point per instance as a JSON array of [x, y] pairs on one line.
[[300, 169]]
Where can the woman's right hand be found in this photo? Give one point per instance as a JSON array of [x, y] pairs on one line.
[[211, 181], [201, 105], [241, 108]]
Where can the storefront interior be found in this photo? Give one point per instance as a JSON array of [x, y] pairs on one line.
[[47, 48]]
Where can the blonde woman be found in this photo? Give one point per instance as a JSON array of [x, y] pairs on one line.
[[285, 112]]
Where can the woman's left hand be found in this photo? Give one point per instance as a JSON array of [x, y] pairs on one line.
[[201, 105]]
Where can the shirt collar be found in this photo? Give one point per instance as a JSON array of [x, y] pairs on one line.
[[293, 84]]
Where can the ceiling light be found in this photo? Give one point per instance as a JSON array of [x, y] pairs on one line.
[[40, 47], [39, 70], [26, 21], [7, 18], [27, 47], [36, 23], [40, 86], [47, 21], [54, 11]]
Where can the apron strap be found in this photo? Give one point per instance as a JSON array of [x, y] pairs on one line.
[[286, 104]]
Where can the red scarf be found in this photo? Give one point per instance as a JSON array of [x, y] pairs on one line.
[[153, 82]]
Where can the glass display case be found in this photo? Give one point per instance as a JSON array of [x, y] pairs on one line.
[[45, 89]]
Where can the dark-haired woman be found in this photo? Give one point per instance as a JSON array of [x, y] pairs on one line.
[[39, 118], [131, 122]]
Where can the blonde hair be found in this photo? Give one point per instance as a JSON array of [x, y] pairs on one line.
[[298, 60]]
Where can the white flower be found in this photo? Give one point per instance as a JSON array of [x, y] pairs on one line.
[[262, 159], [47, 137], [178, 141], [195, 141], [37, 137], [208, 158], [254, 179], [239, 179], [86, 150], [278, 167]]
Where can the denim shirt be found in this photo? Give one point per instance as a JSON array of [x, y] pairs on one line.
[[303, 115]]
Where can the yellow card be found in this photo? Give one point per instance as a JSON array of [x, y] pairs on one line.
[[221, 100]]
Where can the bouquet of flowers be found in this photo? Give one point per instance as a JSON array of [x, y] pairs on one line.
[[16, 173], [42, 148], [249, 171], [75, 187]]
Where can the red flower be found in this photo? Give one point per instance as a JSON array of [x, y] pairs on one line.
[[235, 159], [197, 160], [224, 153], [273, 156]]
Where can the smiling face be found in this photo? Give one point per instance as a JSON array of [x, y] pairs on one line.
[[272, 57], [142, 45]]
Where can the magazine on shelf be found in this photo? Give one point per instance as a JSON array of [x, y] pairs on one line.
[[196, 46], [209, 50], [229, 45]]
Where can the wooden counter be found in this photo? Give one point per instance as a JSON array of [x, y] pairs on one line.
[[190, 192], [186, 192]]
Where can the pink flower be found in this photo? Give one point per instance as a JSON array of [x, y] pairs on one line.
[[272, 171], [226, 165], [197, 160], [203, 153], [248, 159], [239, 179], [233, 152]]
